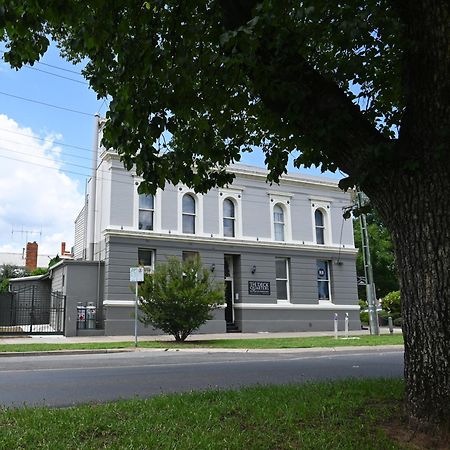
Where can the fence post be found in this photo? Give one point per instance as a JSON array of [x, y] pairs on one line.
[[32, 309]]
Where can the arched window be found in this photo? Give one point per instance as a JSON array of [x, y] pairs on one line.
[[229, 218], [188, 214], [278, 223], [320, 226], [146, 211]]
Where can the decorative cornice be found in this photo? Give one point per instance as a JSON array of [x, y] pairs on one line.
[[296, 245]]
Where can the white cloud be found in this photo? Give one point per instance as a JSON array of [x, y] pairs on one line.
[[34, 197]]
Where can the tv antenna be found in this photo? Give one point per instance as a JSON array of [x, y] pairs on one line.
[[26, 233]]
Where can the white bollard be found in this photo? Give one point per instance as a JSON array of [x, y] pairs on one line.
[[346, 325], [335, 325], [391, 325]]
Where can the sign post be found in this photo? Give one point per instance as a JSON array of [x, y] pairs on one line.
[[136, 276]]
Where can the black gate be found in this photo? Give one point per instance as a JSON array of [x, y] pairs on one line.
[[32, 310]]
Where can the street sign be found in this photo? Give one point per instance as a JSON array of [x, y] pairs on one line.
[[136, 274]]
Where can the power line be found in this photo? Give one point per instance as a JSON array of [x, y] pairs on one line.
[[44, 157], [45, 167], [67, 171], [59, 68], [61, 161], [56, 75], [52, 66], [51, 141], [47, 104]]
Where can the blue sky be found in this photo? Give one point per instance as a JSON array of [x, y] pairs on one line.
[[33, 135]]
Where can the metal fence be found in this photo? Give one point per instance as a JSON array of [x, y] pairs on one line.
[[32, 310]]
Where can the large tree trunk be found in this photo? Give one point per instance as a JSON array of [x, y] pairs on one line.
[[407, 179], [416, 209]]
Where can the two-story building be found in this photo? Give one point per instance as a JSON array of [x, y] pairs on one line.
[[284, 252]]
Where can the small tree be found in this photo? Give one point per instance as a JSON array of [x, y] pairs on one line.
[[179, 297]]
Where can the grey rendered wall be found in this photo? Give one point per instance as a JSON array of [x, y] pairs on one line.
[[80, 285], [169, 208], [120, 321], [122, 254], [251, 321], [119, 206], [256, 209], [122, 197], [211, 212]]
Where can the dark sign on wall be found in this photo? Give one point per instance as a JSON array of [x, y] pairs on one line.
[[259, 287]]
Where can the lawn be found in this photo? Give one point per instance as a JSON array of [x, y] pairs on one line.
[[347, 414], [259, 343]]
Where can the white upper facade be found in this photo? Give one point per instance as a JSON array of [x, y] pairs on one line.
[[300, 211]]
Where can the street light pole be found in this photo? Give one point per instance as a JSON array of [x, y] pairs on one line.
[[370, 285]]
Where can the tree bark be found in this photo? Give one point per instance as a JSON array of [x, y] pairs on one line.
[[416, 210]]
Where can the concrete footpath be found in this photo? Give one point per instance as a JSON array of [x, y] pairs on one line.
[[56, 339]]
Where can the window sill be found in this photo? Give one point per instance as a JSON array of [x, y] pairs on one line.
[[325, 302]]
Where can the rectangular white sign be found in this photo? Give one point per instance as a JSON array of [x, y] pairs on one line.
[[136, 274]]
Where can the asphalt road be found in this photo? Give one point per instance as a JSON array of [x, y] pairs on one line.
[[70, 379]]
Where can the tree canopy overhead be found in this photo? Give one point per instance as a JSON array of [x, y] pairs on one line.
[[357, 85], [218, 79]]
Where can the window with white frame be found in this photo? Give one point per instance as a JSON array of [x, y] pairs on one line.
[[282, 279], [229, 218], [320, 226], [278, 222], [323, 280], [230, 211], [146, 212], [146, 259], [188, 213]]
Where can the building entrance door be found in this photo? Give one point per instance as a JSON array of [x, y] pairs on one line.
[[229, 289]]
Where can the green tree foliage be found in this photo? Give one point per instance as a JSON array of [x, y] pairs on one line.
[[4, 283], [8, 271], [39, 271], [53, 261], [179, 297], [382, 255], [391, 303], [356, 85]]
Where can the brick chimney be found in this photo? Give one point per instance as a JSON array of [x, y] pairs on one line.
[[31, 256], [65, 252]]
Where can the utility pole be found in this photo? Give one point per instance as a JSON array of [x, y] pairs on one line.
[[370, 285]]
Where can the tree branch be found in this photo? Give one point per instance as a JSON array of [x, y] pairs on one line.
[[307, 103]]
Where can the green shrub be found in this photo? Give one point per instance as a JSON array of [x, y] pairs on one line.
[[391, 304], [179, 297], [364, 317], [398, 322], [363, 304]]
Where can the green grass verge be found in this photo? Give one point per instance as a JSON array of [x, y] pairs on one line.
[[259, 343], [340, 415]]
